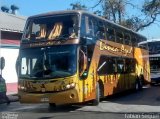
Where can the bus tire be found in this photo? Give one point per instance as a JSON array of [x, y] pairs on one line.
[[97, 98], [138, 84], [52, 105], [101, 87], [141, 82]]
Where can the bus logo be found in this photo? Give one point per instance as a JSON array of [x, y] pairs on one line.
[[122, 49]]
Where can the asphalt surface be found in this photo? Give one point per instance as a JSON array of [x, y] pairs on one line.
[[144, 104]]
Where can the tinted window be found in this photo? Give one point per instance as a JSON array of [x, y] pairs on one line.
[[101, 30], [51, 27], [120, 65], [134, 41], [111, 65], [129, 65], [127, 39], [110, 34], [119, 37], [92, 29], [106, 65], [83, 26]]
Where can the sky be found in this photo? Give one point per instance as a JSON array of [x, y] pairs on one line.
[[33, 7]]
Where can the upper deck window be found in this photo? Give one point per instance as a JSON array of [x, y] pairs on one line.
[[127, 39], [134, 41], [53, 27], [92, 29], [110, 32], [119, 37]]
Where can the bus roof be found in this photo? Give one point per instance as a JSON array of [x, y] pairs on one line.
[[83, 12], [149, 41]]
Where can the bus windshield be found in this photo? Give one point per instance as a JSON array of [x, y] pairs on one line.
[[154, 47], [155, 64], [57, 27], [48, 62]]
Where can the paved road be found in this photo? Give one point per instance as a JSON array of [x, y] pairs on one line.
[[142, 105]]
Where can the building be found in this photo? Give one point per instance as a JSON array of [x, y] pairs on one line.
[[11, 28]]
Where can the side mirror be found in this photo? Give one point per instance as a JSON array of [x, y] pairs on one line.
[[2, 63], [86, 40], [82, 62]]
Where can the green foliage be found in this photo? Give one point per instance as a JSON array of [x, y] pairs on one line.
[[133, 23], [115, 10], [78, 6], [151, 7]]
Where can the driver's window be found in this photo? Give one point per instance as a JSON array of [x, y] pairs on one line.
[[87, 26], [83, 26]]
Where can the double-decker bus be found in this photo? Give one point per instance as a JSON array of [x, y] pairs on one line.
[[71, 57], [154, 58]]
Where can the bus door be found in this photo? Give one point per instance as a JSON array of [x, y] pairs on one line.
[[87, 72], [82, 71]]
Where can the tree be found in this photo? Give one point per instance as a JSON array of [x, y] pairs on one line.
[[133, 23], [151, 9], [115, 10], [78, 6]]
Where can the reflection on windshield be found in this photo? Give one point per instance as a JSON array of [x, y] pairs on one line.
[[49, 28], [48, 62]]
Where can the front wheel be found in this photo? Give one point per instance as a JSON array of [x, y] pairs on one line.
[[97, 99], [138, 85]]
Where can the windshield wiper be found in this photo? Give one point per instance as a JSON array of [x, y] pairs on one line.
[[62, 37]]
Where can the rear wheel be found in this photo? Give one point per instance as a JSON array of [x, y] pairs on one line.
[[138, 84], [141, 82], [97, 99]]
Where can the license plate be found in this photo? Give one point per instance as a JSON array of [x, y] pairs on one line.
[[44, 100]]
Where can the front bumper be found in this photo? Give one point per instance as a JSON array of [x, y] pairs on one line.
[[58, 98]]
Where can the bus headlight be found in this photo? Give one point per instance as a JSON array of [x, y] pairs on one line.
[[21, 88], [68, 86], [72, 85]]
